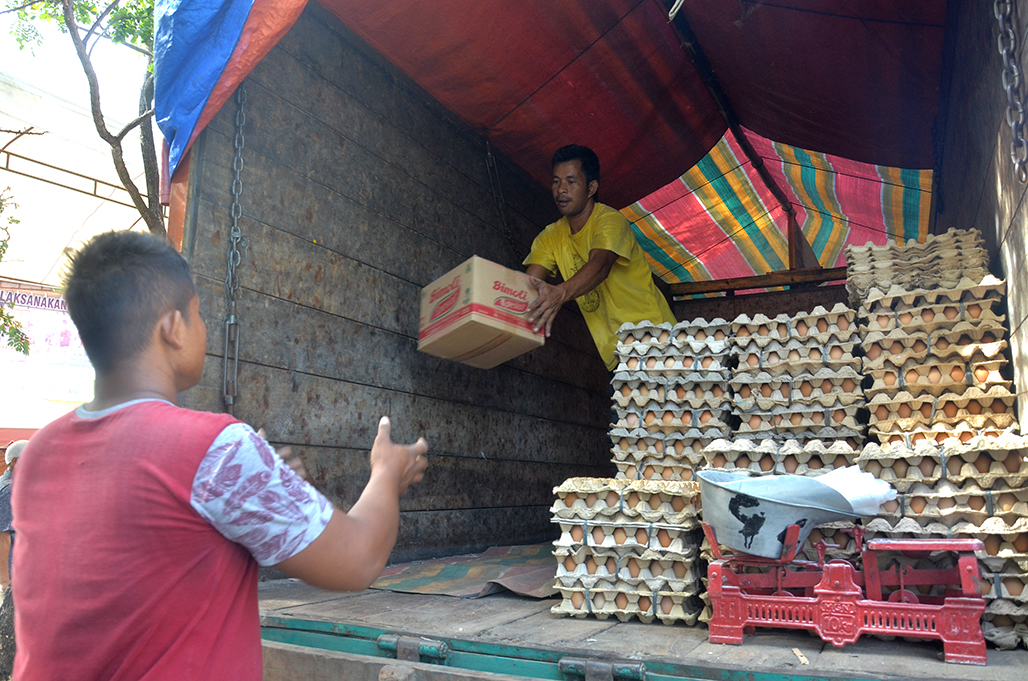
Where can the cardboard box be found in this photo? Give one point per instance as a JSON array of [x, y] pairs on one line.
[[475, 314]]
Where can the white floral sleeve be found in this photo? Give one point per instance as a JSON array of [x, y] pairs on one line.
[[245, 490]]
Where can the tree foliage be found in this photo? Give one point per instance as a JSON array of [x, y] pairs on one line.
[[124, 22], [9, 326]]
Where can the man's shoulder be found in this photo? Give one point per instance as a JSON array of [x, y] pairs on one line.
[[609, 215]]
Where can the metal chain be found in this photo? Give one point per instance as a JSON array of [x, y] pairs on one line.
[[230, 375], [1007, 43]]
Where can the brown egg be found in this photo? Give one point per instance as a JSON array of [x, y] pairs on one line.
[[976, 503], [806, 389], [633, 362], [742, 462], [651, 362], [950, 312], [644, 391], [670, 362], [953, 465], [883, 321], [950, 410], [940, 344], [934, 375], [840, 462], [765, 390], [927, 315], [597, 535], [621, 600], [590, 500], [957, 374], [697, 392], [988, 338], [998, 407], [981, 374], [706, 362], [891, 506], [745, 391], [762, 330], [917, 504], [641, 537], [626, 391], [822, 325], [843, 323], [633, 567], [882, 412], [742, 332], [974, 407], [946, 503], [766, 463], [612, 499], [889, 378], [655, 501], [590, 566], [794, 355], [926, 410], [784, 390], [685, 474], [664, 337], [576, 533], [624, 444], [633, 419], [719, 461], [705, 416], [666, 604], [874, 352], [1002, 621], [849, 385], [904, 410], [773, 358], [790, 464], [570, 564], [911, 376], [679, 447], [815, 464], [927, 467], [896, 348], [917, 437], [1013, 586], [687, 417], [900, 466], [985, 584], [974, 310], [717, 391], [645, 604], [620, 536], [649, 473], [1006, 502], [814, 355], [577, 599], [668, 417], [629, 339], [1021, 543], [838, 415], [983, 463], [752, 360], [631, 472], [826, 387], [1013, 462], [677, 503], [835, 352], [941, 437], [873, 467], [700, 335], [796, 419], [647, 339], [719, 335], [815, 536], [656, 569], [904, 318], [801, 328], [966, 437], [992, 547]]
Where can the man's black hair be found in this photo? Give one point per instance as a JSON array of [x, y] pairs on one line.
[[117, 286], [584, 155]]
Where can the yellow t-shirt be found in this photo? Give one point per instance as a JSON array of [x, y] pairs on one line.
[[628, 294]]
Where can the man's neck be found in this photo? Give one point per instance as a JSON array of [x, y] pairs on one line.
[[124, 385], [577, 222]]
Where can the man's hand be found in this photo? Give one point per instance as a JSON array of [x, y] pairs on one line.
[[290, 459], [405, 462], [544, 308]]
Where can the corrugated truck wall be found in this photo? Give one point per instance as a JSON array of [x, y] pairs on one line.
[[978, 185], [358, 190]]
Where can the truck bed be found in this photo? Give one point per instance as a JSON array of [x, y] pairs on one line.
[[509, 634]]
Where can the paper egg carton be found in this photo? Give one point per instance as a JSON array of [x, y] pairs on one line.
[[936, 379], [794, 357], [998, 565], [760, 329], [939, 528], [1005, 631], [636, 442], [913, 251], [946, 270], [949, 503], [1003, 548], [638, 339], [825, 387], [638, 387], [946, 408], [628, 572], [898, 347], [713, 332], [676, 366], [800, 417], [621, 501], [903, 467], [814, 457], [655, 469], [820, 323], [706, 394], [962, 431], [669, 417], [691, 455], [1010, 586], [932, 318], [667, 606], [967, 290], [673, 538]]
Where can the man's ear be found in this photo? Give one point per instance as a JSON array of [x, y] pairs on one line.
[[594, 187], [172, 328]]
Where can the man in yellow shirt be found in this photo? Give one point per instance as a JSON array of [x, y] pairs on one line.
[[593, 247]]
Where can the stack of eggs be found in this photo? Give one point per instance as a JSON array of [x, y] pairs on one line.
[[941, 261], [628, 548], [936, 358], [969, 488], [796, 377], [670, 397]]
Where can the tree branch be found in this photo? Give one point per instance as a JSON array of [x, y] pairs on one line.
[[20, 7], [133, 123], [100, 18]]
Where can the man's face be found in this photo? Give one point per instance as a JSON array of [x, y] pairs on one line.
[[196, 346], [570, 190]]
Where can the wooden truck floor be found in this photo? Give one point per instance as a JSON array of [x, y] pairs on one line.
[[509, 634]]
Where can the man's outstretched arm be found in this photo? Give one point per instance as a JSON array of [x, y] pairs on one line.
[[543, 309]]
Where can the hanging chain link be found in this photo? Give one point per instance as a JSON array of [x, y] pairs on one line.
[[236, 245], [1011, 77]]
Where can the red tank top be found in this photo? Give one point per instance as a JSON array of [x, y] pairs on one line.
[[116, 576]]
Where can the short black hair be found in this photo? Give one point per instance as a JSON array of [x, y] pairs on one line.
[[584, 155], [117, 286]]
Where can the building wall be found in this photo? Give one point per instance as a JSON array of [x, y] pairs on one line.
[[978, 186], [357, 191]]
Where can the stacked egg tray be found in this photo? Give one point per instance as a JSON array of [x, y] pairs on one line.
[[940, 262], [965, 486], [936, 362], [797, 377], [670, 397], [628, 549]]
